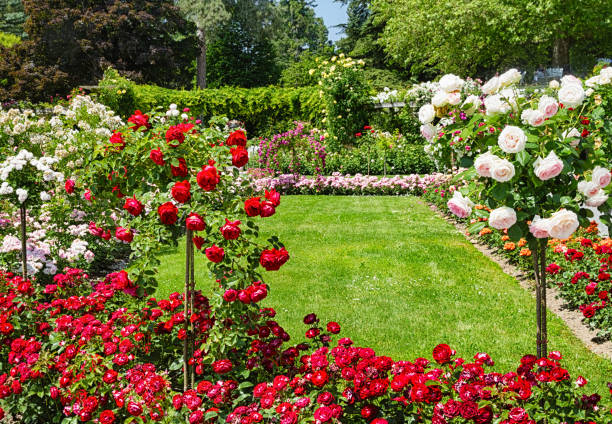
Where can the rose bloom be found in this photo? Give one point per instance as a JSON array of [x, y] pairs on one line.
[[511, 76], [450, 83], [571, 95], [428, 131], [549, 167], [214, 253], [230, 230], [208, 178], [194, 222], [588, 188], [535, 118], [601, 176], [237, 138], [240, 156], [222, 366], [69, 186], [124, 234], [563, 224], [181, 191], [491, 86], [267, 209], [512, 139], [554, 84], [539, 227], [471, 104], [495, 104], [484, 163], [453, 98], [168, 213], [502, 218], [440, 99], [442, 353], [133, 206], [427, 113], [251, 206], [157, 156], [548, 106], [597, 200], [181, 170], [459, 205], [502, 170]]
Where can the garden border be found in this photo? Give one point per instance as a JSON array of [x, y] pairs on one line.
[[555, 304]]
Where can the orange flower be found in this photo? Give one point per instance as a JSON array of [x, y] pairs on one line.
[[485, 230], [525, 252], [480, 207], [505, 238], [509, 246], [522, 242]]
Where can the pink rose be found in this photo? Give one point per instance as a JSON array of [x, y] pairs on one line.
[[502, 218], [484, 163], [540, 227], [548, 106], [549, 167], [601, 176], [459, 205]]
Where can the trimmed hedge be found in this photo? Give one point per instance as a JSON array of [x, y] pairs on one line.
[[261, 109]]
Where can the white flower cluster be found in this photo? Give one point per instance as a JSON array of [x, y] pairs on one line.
[[18, 163], [385, 96], [604, 78]]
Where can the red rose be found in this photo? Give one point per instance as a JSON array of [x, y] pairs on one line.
[[230, 295], [181, 191], [124, 234], [222, 366], [181, 170], [274, 197], [110, 376], [107, 417], [214, 253], [518, 415], [588, 311], [267, 209], [117, 140], [442, 353], [240, 156], [208, 178], [369, 411], [231, 230], [134, 409], [174, 136], [237, 138], [157, 156], [590, 288], [195, 222], [259, 293], [251, 206], [333, 327], [69, 186], [198, 241], [268, 259], [323, 414], [196, 417], [168, 213], [468, 410], [139, 120], [133, 206], [319, 378], [358, 135]]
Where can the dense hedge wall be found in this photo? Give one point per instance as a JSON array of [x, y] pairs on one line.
[[264, 110]]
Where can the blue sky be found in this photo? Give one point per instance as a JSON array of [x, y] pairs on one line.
[[333, 13]]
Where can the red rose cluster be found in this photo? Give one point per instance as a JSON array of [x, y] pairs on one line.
[[254, 206], [254, 293], [273, 259]]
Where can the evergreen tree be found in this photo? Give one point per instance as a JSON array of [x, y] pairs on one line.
[[12, 17]]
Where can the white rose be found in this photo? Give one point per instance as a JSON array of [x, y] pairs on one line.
[[570, 80], [510, 77], [512, 139], [601, 176], [598, 199], [453, 98], [491, 86], [427, 113], [548, 106], [459, 205], [44, 196], [451, 83], [428, 131], [605, 76], [484, 164], [563, 224], [588, 188], [571, 95], [440, 99], [533, 117], [549, 167], [573, 135], [502, 218], [554, 84], [502, 170], [593, 81], [494, 104], [471, 104], [540, 228], [22, 195]]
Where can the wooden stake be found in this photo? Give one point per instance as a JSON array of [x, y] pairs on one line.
[[24, 255]]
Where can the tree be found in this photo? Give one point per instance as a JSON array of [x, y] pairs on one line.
[[12, 17], [208, 16], [481, 36]]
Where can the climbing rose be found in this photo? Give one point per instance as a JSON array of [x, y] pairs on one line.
[[273, 196], [251, 206], [237, 138], [181, 191], [208, 178], [133, 206], [230, 230], [273, 259], [512, 139], [168, 213], [124, 234], [195, 222], [222, 366], [69, 186], [157, 156], [215, 253], [181, 170], [549, 167]]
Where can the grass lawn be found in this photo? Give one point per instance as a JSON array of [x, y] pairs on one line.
[[400, 280]]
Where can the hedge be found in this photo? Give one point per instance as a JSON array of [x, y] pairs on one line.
[[264, 110]]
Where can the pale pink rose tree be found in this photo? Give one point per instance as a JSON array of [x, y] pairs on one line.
[[537, 163]]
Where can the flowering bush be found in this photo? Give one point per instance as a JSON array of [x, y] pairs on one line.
[[88, 351], [297, 151]]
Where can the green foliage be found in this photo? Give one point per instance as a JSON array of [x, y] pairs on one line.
[[403, 120], [300, 74], [8, 40], [12, 17], [261, 109]]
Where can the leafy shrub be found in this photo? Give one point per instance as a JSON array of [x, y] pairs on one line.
[[8, 40], [261, 109]]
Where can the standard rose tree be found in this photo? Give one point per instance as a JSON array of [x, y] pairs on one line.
[[538, 166]]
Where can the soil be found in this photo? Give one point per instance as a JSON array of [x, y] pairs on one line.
[[555, 304]]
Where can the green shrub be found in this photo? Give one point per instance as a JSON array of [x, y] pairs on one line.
[[403, 120], [261, 109], [8, 40]]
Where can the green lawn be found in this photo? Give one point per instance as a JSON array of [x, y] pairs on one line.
[[400, 280]]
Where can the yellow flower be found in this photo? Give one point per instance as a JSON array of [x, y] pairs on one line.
[[118, 91], [311, 71], [333, 68], [333, 59]]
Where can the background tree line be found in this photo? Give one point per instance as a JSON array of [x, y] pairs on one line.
[[249, 43]]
